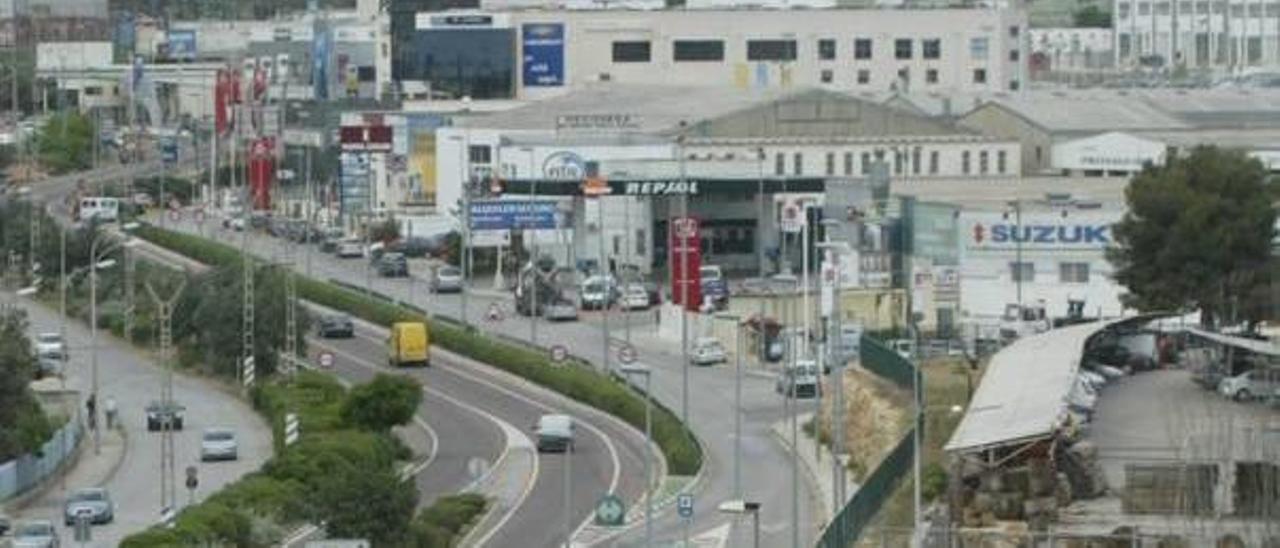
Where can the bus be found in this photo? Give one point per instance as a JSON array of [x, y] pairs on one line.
[[98, 208]]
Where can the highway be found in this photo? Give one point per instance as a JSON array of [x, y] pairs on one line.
[[766, 465]]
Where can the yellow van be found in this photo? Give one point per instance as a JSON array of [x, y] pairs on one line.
[[409, 344]]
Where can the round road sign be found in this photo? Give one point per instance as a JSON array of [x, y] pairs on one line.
[[610, 511], [559, 353], [627, 354], [174, 214], [326, 360], [495, 313]]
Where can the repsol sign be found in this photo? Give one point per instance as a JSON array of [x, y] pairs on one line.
[[660, 188], [1041, 235]]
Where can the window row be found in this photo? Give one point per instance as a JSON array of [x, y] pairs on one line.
[[710, 50], [1068, 272], [901, 161], [1257, 9]]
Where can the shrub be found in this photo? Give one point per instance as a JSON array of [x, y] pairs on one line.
[[440, 525], [384, 402]]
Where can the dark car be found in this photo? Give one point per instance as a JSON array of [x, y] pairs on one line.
[[393, 265], [159, 413], [335, 326], [416, 247]]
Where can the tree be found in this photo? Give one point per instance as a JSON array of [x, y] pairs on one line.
[[384, 402], [386, 231], [1091, 16], [65, 142], [1197, 234], [373, 505], [23, 424]]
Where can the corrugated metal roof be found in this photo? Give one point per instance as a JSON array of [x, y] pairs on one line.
[[1085, 111], [1257, 347]]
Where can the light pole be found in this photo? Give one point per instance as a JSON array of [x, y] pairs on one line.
[[739, 507], [465, 252], [96, 262], [837, 351], [648, 437], [1018, 272], [737, 402]]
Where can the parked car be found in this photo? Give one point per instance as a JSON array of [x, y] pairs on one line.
[[555, 433], [51, 345], [159, 412], [1256, 383], [94, 501], [655, 293], [597, 293], [47, 366], [329, 240], [218, 444], [335, 326], [799, 380], [446, 279], [393, 265], [561, 310], [349, 249], [634, 297], [36, 534], [234, 222], [707, 351]]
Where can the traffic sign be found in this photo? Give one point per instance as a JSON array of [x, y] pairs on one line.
[[174, 215], [610, 511], [290, 428], [326, 360], [559, 353], [627, 354], [495, 313], [83, 532], [192, 480], [684, 505]]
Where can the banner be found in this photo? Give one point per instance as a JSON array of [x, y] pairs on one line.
[[685, 257], [514, 214], [222, 102], [182, 45], [262, 172], [543, 45]]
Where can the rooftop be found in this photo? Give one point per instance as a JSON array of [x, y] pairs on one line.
[[1096, 110]]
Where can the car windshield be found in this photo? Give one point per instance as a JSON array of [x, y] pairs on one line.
[[219, 435], [594, 287], [34, 530], [92, 495], [49, 338], [709, 273], [450, 271]]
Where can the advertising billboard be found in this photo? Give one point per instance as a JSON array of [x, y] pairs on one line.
[[685, 249], [262, 171], [1038, 232], [514, 214], [543, 54], [182, 45]]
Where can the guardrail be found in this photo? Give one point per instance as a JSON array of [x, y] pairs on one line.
[[26, 472]]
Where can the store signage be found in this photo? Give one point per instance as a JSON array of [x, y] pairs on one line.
[[543, 45], [564, 165], [598, 121], [514, 214], [655, 188], [467, 20], [685, 249], [1090, 235]]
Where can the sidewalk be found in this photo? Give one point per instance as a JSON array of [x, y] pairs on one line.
[[815, 462], [83, 470]]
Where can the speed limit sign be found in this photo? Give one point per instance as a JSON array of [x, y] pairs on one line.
[[559, 353], [326, 360]]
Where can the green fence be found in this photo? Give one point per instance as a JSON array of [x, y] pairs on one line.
[[849, 523]]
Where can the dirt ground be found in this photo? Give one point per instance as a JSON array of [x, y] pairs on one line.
[[877, 414]]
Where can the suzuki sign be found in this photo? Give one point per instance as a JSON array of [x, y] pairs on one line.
[[1039, 232]]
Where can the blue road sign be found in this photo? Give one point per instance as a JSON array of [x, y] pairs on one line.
[[684, 505], [513, 215]]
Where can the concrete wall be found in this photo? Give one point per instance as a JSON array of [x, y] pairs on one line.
[[998, 122]]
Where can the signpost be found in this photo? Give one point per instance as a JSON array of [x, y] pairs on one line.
[[326, 360], [684, 507], [494, 314], [559, 353], [610, 512], [193, 481], [290, 428], [83, 532], [627, 354]]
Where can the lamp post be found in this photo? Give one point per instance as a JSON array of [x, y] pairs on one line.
[[96, 262], [465, 259], [648, 436], [837, 352], [737, 402]]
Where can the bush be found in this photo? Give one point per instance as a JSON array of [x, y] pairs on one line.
[[440, 525], [684, 456], [384, 402]]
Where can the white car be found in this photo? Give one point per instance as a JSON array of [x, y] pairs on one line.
[[1258, 383], [348, 249], [635, 297], [218, 444], [707, 351], [36, 534], [50, 345]]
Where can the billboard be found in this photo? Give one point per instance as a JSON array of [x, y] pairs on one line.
[[543, 54], [514, 214], [182, 45], [262, 171], [1038, 232], [353, 181], [321, 49], [685, 250]]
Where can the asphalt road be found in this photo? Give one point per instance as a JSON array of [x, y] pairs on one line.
[[766, 466], [133, 379]]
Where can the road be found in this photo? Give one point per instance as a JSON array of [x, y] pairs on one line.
[[133, 379], [765, 464]]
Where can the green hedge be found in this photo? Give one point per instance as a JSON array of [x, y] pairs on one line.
[[441, 525], [684, 456]]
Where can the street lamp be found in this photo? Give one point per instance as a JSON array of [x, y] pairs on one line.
[[739, 507], [737, 402], [837, 355], [648, 436], [97, 262]]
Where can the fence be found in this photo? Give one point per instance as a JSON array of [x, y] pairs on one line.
[[23, 473], [851, 521]]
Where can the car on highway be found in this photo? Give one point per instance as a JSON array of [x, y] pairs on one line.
[[218, 444], [50, 344], [1256, 383], [597, 293], [393, 265], [160, 413], [94, 501], [38, 533], [707, 351], [334, 326], [799, 380], [562, 310], [446, 279], [348, 249], [635, 297], [555, 433]]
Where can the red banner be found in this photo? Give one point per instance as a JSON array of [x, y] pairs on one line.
[[222, 98], [262, 171], [685, 255]]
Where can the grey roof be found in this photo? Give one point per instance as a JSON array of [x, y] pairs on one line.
[[1099, 110], [1246, 138]]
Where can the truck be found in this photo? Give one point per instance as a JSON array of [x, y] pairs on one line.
[[409, 345], [715, 288]]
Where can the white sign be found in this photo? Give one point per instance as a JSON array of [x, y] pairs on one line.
[[616, 120], [326, 360], [491, 238], [792, 217]]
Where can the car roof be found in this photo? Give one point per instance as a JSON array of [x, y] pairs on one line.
[[219, 430], [554, 421]]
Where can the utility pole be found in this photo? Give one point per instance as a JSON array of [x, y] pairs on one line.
[[168, 454]]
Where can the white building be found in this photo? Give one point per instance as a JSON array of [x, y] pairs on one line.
[[1222, 34], [1070, 48], [1112, 153]]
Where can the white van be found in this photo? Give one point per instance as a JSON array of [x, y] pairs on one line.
[[100, 209], [555, 433]]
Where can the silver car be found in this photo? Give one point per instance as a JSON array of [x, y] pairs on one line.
[[50, 345], [94, 501], [707, 351], [447, 279], [219, 444], [36, 534]]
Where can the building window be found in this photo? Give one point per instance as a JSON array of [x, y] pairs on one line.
[[1013, 55], [1001, 161], [771, 50], [827, 76], [931, 76], [983, 164], [864, 76], [933, 162], [780, 164], [831, 163], [631, 52], [964, 162], [1013, 31], [848, 163], [480, 154], [979, 47], [698, 50], [797, 163], [979, 76], [866, 163], [902, 48], [898, 158], [931, 48], [1073, 273], [641, 246], [862, 48], [826, 49], [1014, 85], [915, 160], [1022, 272]]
